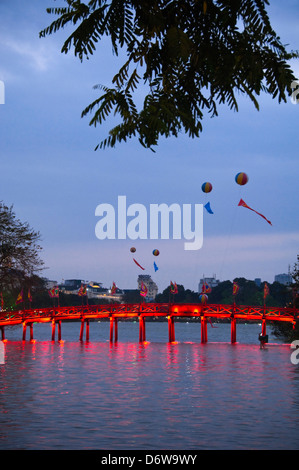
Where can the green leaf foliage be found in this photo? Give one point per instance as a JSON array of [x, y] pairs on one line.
[[187, 57]]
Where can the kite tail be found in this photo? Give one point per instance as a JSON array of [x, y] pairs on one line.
[[138, 264]]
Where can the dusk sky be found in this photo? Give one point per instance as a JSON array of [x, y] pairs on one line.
[[55, 180]]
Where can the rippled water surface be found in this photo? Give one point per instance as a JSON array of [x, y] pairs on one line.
[[155, 395]]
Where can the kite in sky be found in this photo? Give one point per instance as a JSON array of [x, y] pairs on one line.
[[208, 208], [155, 267], [207, 188], [243, 204], [138, 264]]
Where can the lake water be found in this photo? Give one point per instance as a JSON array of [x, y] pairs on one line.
[[150, 396]]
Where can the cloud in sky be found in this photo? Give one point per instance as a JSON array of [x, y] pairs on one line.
[[55, 180], [38, 58]]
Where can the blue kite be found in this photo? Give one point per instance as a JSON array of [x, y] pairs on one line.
[[208, 208]]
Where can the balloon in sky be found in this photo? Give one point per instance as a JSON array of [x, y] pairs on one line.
[[133, 249], [203, 298], [241, 178], [156, 252], [207, 187]]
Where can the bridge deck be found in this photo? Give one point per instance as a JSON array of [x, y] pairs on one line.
[[169, 311], [241, 312]]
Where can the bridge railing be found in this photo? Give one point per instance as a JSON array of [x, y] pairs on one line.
[[151, 309]]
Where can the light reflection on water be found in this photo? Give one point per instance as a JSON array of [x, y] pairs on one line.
[[72, 395]]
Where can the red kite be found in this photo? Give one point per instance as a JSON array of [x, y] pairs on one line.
[[242, 203]]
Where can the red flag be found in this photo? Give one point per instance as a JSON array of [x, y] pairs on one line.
[[54, 292], [143, 289], [20, 297], [173, 288], [235, 288], [29, 296], [206, 289], [243, 204], [113, 289], [82, 291], [2, 301], [266, 290]]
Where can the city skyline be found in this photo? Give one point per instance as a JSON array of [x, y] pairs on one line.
[[55, 180], [280, 278]]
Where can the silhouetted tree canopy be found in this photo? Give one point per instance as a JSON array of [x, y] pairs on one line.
[[19, 251], [187, 58]]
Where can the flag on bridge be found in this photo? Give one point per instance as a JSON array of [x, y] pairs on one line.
[[54, 292], [173, 288], [113, 288], [235, 288], [29, 296], [143, 289], [266, 290], [20, 297], [206, 289], [82, 291]]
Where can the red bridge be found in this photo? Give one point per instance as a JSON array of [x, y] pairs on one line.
[[170, 311]]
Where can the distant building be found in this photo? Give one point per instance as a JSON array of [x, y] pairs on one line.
[[50, 284], [73, 284], [211, 281], [285, 279], [258, 281], [152, 288]]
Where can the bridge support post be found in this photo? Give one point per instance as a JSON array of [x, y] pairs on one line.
[[53, 330], [141, 329], [81, 329], [87, 329], [233, 330], [204, 330], [115, 330], [59, 330], [264, 328], [31, 331], [112, 321], [171, 331], [24, 331]]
